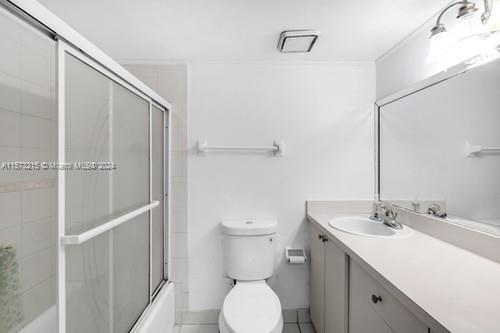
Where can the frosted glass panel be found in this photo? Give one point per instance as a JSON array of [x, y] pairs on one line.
[[157, 160], [28, 124], [130, 150], [107, 277], [88, 202], [87, 286], [87, 140], [130, 272], [130, 191]]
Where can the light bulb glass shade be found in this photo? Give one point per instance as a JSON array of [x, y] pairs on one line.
[[439, 44], [469, 26], [469, 39], [467, 50]]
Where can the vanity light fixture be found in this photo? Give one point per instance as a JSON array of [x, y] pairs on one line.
[[297, 41], [471, 38]]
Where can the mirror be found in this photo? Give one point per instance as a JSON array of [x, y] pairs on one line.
[[440, 149]]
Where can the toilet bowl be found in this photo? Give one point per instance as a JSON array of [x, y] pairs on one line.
[[251, 307]]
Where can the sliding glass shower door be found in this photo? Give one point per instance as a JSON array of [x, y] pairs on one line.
[[107, 277], [117, 137], [83, 183]]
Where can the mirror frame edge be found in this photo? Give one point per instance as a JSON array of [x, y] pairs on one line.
[[405, 92]]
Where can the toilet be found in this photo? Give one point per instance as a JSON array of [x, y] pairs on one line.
[[251, 306]]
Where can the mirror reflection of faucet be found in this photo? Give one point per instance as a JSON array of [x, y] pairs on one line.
[[436, 211], [415, 205]]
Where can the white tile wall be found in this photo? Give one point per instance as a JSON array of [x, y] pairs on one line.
[[10, 209], [34, 101], [179, 192], [34, 269], [36, 236], [10, 128], [10, 94], [10, 154], [36, 205], [36, 132], [179, 248], [179, 272], [39, 298], [11, 236], [10, 61], [179, 215]]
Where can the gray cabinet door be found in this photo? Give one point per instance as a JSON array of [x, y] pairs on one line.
[[385, 314], [336, 289], [317, 289], [362, 316]]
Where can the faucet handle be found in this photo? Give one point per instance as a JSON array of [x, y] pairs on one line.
[[390, 213], [435, 210]]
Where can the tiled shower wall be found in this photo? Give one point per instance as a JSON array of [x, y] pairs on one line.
[[171, 82]]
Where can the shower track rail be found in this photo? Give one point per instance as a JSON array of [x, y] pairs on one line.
[[85, 236]]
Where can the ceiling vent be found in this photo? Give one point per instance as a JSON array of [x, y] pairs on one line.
[[297, 41]]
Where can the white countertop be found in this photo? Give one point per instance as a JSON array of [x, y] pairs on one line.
[[457, 290]]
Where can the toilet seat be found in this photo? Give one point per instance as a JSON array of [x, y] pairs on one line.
[[252, 307]]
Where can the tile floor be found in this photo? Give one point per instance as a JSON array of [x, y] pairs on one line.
[[288, 328]]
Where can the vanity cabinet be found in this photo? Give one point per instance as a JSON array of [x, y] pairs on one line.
[[329, 287], [373, 309], [346, 299]]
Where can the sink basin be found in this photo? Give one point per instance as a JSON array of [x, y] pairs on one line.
[[364, 226]]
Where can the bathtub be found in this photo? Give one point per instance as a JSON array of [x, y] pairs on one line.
[[44, 323], [160, 317]]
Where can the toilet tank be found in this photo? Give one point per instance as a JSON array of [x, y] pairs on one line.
[[249, 249]]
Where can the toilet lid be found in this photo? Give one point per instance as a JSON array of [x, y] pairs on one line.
[[252, 307]]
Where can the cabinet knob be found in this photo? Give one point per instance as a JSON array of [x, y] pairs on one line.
[[323, 238], [376, 299]]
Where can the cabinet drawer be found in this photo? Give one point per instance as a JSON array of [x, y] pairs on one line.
[[395, 315]]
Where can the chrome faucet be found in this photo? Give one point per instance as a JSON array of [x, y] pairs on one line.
[[435, 210], [381, 213], [389, 218]]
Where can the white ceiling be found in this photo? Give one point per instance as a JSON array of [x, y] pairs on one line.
[[243, 30]]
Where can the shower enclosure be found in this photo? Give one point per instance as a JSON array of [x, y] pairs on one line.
[[83, 182]]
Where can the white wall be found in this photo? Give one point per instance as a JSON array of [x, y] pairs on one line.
[[405, 64], [323, 112]]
